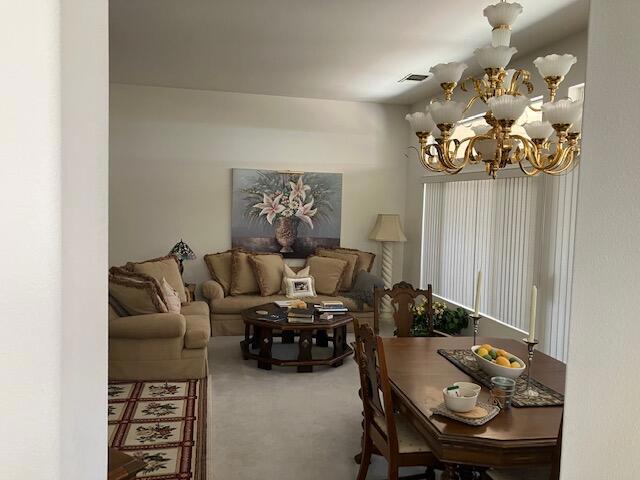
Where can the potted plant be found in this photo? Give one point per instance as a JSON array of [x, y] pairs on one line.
[[446, 320]]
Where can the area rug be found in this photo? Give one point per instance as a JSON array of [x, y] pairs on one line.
[[163, 423]]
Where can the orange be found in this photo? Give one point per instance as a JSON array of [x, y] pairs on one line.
[[487, 347], [502, 353], [502, 361]]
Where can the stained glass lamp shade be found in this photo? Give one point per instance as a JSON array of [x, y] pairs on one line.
[[183, 252]]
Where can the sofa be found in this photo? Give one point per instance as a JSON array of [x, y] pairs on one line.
[[146, 341], [226, 305]]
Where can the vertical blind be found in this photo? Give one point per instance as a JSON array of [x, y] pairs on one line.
[[519, 232]]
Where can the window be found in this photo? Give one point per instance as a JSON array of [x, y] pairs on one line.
[[519, 231]]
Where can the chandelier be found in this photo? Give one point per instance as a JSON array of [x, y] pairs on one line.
[[503, 91]]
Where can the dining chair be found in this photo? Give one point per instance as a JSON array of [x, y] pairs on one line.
[[542, 472], [403, 298], [386, 432]]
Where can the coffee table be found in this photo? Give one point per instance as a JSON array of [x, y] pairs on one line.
[[259, 332]]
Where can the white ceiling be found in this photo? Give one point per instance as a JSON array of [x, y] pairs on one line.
[[336, 49]]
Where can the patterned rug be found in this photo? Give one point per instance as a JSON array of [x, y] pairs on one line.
[[163, 424]]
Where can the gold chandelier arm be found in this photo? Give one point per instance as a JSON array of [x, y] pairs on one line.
[[472, 101], [478, 85], [524, 78], [423, 157], [450, 156]]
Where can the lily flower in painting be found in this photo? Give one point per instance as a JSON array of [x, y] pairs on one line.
[[305, 212], [270, 207], [298, 189]]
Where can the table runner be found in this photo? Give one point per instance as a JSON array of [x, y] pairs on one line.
[[547, 397]]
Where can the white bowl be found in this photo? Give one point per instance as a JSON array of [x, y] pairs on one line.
[[495, 370], [464, 403], [471, 386]]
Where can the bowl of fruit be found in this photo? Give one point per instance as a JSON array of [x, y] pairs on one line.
[[497, 362]]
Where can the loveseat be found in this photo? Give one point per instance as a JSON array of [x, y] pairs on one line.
[[146, 341], [226, 305]]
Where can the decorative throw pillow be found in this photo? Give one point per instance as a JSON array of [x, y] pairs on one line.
[[327, 273], [219, 266], [162, 267], [243, 280], [290, 273], [298, 287], [137, 296], [268, 269], [171, 298], [349, 271], [365, 259]]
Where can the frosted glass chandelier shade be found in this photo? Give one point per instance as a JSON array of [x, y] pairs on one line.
[[577, 125], [501, 37], [448, 72], [485, 147], [421, 122], [508, 107], [538, 130], [563, 111], [494, 57], [447, 112], [502, 13], [555, 65]]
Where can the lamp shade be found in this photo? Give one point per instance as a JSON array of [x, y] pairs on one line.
[[182, 251], [387, 229]]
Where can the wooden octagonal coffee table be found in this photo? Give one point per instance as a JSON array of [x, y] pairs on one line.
[[260, 329]]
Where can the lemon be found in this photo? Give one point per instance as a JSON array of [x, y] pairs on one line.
[[503, 362], [482, 351], [515, 365]]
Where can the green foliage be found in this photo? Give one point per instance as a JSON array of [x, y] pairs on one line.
[[447, 320]]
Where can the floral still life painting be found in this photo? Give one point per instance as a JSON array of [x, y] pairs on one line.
[[292, 213]]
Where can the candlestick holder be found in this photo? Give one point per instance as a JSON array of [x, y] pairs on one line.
[[531, 348], [476, 318]]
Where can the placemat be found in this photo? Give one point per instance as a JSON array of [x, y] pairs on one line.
[[547, 397], [476, 422]]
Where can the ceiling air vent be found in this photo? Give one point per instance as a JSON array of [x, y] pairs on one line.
[[414, 77]]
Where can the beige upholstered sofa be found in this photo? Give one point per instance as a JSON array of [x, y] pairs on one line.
[[241, 280], [147, 339], [225, 310], [159, 346]]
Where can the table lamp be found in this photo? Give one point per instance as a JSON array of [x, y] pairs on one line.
[[182, 251], [387, 230]]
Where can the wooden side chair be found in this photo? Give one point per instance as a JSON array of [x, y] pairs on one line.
[[544, 472], [385, 432], [403, 298]]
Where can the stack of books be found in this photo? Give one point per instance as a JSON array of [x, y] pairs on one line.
[[300, 315], [334, 306]]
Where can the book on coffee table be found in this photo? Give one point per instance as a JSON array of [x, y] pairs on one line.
[[300, 315]]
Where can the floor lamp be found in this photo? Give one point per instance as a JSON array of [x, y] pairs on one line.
[[387, 230]]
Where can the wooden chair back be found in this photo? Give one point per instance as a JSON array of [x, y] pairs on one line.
[[403, 298], [375, 389]]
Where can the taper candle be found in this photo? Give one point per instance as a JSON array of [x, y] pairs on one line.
[[532, 319], [476, 306]]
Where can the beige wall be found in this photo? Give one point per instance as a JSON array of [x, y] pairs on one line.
[[575, 44], [602, 439], [172, 151], [53, 191]]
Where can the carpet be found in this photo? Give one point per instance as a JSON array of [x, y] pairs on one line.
[[284, 425], [163, 423]]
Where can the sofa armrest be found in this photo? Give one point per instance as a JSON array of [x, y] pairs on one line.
[[155, 325], [212, 290]]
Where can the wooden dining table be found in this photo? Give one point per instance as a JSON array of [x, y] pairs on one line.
[[515, 437]]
